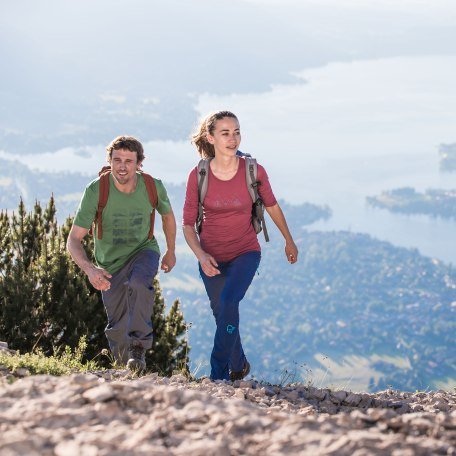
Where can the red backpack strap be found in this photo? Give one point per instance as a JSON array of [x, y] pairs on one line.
[[153, 198], [102, 201]]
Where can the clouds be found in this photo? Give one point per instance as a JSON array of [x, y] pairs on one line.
[[168, 160]]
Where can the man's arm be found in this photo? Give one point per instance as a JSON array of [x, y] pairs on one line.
[[291, 251], [98, 277], [169, 229]]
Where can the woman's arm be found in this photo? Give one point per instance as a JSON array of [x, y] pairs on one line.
[[208, 263], [291, 251]]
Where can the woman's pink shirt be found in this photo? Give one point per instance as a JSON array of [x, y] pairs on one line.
[[227, 231]]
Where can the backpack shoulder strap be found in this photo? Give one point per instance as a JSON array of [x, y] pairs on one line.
[[251, 173], [102, 199], [203, 171], [202, 175], [151, 189], [153, 198]]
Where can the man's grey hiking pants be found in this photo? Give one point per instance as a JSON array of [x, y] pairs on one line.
[[129, 304]]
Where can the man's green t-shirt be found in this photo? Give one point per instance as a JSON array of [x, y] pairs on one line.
[[126, 221]]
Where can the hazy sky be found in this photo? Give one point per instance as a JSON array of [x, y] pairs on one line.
[[66, 55], [301, 74]]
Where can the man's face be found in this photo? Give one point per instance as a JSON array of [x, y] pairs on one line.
[[124, 164]]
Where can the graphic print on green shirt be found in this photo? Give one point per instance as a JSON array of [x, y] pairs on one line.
[[126, 221]]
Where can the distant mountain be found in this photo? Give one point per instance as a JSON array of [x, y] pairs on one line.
[[18, 181], [406, 200]]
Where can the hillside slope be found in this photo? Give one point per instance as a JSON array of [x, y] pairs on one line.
[[349, 295]]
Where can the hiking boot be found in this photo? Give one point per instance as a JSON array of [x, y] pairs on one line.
[[136, 358], [241, 374]]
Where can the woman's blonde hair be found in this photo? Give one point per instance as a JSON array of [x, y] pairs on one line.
[[199, 138]]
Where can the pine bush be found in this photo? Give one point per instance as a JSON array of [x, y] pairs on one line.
[[47, 302]]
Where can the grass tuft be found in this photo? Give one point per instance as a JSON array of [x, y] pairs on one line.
[[63, 362]]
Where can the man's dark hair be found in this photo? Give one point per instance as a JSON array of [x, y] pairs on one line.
[[126, 142]]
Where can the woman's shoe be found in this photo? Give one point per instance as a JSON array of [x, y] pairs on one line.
[[241, 374]]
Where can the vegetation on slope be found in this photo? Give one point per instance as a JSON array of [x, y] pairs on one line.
[[349, 294], [47, 303]]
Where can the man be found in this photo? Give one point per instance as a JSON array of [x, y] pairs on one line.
[[127, 257]]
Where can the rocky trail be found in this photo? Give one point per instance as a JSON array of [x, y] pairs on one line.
[[111, 413]]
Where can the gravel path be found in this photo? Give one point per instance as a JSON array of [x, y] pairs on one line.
[[110, 413]]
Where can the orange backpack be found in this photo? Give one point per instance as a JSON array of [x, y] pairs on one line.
[[104, 194]]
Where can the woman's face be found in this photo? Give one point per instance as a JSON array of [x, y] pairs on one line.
[[226, 136]]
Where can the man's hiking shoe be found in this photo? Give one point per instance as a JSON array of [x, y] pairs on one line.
[[241, 374], [136, 358]]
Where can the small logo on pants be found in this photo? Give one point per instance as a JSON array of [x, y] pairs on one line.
[[230, 329]]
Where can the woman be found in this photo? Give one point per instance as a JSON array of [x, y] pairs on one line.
[[227, 247]]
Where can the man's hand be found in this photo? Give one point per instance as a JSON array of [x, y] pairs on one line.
[[291, 252], [169, 229], [98, 277], [208, 265], [168, 261]]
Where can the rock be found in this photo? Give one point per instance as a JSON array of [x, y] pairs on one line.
[[417, 408], [292, 395], [119, 414], [318, 394], [84, 379], [4, 348], [442, 406], [366, 401], [240, 394], [338, 396], [328, 407], [73, 448], [353, 399], [21, 372], [178, 378], [99, 393], [268, 391], [381, 414]]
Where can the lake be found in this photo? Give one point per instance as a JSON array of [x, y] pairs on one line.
[[340, 133], [350, 130]]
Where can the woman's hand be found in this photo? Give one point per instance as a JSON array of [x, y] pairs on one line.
[[291, 252], [208, 265]]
